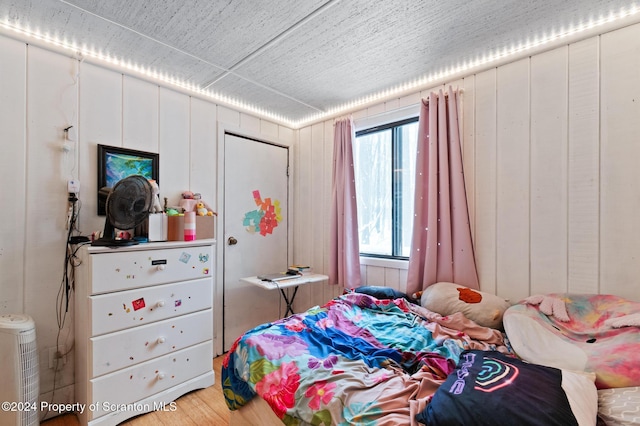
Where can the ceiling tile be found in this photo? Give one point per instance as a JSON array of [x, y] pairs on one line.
[[271, 102], [221, 32], [367, 47]]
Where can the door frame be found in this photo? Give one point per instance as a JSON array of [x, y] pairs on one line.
[[218, 294]]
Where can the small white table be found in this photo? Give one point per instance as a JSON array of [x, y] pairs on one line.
[[294, 282]]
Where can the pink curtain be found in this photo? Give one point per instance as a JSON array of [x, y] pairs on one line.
[[344, 260], [441, 247]]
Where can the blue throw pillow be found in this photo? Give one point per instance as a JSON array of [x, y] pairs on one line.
[[380, 292]]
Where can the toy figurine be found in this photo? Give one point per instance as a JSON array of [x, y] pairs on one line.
[[156, 207]]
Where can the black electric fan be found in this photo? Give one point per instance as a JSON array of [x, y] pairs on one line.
[[126, 207]]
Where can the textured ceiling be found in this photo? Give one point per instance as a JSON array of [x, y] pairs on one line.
[[296, 59]]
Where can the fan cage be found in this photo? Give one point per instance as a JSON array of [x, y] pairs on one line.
[[29, 376]]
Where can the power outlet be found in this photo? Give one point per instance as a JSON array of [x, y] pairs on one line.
[[73, 186], [57, 355]]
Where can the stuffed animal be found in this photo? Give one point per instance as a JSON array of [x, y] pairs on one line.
[[202, 210], [483, 308], [155, 190]]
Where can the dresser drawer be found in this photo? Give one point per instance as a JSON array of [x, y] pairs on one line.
[[126, 309], [121, 270], [125, 348], [114, 391]]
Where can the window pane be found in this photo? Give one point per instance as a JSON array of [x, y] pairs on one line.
[[408, 147], [373, 166]]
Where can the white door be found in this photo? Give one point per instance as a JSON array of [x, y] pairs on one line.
[[255, 231]]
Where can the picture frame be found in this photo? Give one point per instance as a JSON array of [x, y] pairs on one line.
[[115, 163]]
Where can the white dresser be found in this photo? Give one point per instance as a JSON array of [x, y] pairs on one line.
[[143, 328]]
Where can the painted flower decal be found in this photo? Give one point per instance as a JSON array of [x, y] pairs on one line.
[[327, 363], [295, 326], [278, 388], [320, 392], [276, 346]]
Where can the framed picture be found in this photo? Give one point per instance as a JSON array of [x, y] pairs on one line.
[[116, 163]]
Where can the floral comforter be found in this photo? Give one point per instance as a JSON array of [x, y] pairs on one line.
[[355, 360]]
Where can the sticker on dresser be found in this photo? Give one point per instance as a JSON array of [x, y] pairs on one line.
[[120, 310], [125, 270], [128, 347]]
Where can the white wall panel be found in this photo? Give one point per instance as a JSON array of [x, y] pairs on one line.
[[51, 106], [302, 206], [286, 135], [513, 168], [584, 167], [174, 146], [100, 122], [140, 115], [375, 276], [485, 179], [12, 173], [620, 159], [549, 172], [250, 124], [203, 153], [317, 201], [269, 130], [228, 116]]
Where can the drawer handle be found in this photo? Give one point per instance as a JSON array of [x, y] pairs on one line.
[[160, 376], [160, 267], [160, 304], [162, 339]]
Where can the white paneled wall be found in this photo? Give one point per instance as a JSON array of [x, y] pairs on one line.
[[51, 88], [13, 173], [552, 155], [619, 161], [43, 92]]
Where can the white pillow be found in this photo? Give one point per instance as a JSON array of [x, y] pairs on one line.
[[617, 406], [448, 298]]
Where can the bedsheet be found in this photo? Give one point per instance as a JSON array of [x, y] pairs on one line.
[[355, 360]]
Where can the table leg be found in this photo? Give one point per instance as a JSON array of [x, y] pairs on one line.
[[289, 302]]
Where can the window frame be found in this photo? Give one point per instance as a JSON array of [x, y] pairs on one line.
[[396, 185]]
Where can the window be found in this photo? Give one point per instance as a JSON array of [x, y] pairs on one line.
[[384, 163]]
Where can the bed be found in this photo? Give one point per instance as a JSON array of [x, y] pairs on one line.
[[385, 359]]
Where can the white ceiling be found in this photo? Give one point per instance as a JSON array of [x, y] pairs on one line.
[[298, 59]]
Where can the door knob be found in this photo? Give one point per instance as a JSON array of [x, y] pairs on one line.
[[232, 241]]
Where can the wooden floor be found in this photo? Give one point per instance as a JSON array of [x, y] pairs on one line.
[[201, 407]]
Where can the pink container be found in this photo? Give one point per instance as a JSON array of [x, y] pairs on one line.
[[190, 226]]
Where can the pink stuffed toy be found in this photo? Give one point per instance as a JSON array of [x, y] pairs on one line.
[[550, 306]]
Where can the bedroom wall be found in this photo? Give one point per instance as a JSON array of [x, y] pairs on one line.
[[41, 93], [551, 158]]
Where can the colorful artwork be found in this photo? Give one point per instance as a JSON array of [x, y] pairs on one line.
[[265, 218], [119, 166]]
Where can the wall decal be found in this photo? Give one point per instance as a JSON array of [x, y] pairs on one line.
[[265, 218]]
